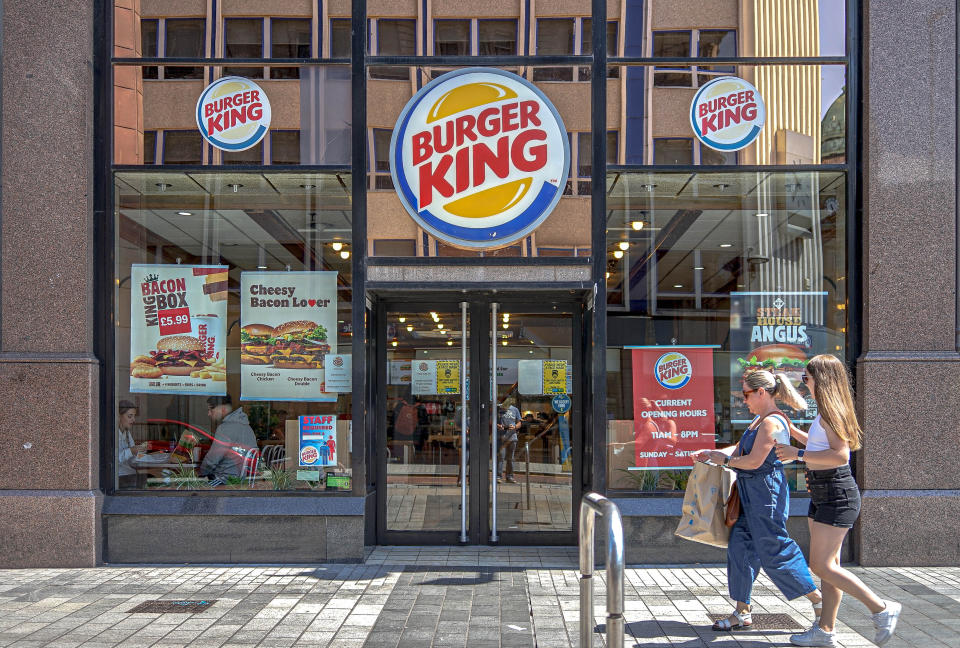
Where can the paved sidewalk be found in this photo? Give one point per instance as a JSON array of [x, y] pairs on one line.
[[407, 597]]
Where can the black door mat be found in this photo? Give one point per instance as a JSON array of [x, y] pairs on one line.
[[172, 607], [766, 621]]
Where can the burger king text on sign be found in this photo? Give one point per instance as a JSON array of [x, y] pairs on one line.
[[727, 114], [233, 114], [479, 157]]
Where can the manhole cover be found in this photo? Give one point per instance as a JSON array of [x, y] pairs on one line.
[[765, 621], [174, 607]]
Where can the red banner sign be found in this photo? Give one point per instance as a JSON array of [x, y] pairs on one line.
[[673, 405]]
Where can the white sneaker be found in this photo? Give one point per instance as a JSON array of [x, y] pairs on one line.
[[885, 621], [815, 636]]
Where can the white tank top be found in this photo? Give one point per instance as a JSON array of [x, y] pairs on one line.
[[817, 437]]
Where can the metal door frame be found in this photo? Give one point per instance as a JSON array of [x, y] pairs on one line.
[[479, 350]]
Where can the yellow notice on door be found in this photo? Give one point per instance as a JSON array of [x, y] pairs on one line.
[[448, 376], [554, 376]]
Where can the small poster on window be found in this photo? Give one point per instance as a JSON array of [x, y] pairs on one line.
[[178, 329], [288, 326], [318, 441]]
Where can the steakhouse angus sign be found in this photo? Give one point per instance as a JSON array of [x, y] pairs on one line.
[[727, 114], [479, 157]]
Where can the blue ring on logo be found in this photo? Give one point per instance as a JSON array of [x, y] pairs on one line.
[[250, 142], [656, 374], [477, 237], [734, 146]]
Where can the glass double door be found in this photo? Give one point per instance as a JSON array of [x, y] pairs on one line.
[[479, 423]]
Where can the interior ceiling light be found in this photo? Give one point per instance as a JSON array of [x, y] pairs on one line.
[[409, 327], [726, 245], [698, 267], [337, 246], [401, 319], [504, 343], [439, 325], [624, 245], [345, 254], [505, 325], [308, 186], [235, 186], [394, 343], [678, 285], [449, 342], [506, 317], [618, 254], [608, 275], [637, 225], [721, 186], [184, 213]]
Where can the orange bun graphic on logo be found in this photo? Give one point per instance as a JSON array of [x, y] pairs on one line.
[[479, 157]]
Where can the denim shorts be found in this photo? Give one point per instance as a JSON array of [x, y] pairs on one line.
[[834, 497]]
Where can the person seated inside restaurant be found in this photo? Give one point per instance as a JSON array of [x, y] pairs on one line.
[[233, 439]]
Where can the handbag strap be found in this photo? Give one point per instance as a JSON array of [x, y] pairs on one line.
[[759, 421]]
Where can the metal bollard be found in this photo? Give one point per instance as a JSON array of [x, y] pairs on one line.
[[527, 446], [590, 506]]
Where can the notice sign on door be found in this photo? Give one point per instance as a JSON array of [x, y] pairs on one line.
[[433, 377], [448, 376], [554, 376], [672, 405], [544, 377]]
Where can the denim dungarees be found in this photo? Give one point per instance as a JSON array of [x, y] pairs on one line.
[[759, 538]]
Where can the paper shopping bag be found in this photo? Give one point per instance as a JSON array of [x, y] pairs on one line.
[[702, 519]]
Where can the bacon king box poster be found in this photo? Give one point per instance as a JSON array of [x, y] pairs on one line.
[[288, 324], [178, 329], [777, 331], [673, 413]]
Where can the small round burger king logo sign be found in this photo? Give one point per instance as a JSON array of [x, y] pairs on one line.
[[479, 157], [727, 114], [233, 114], [673, 370]]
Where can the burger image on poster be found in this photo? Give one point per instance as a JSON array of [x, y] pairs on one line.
[[727, 114], [479, 157], [233, 114]]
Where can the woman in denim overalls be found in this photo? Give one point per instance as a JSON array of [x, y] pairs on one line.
[[759, 538]]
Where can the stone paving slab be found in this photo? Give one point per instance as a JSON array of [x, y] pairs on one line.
[[407, 597]]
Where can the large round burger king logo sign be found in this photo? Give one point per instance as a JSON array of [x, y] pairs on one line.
[[673, 370], [727, 114], [479, 157], [233, 113]]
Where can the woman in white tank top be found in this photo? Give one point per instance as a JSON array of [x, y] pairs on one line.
[[834, 500]]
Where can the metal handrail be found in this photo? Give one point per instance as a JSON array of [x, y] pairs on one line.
[[590, 506]]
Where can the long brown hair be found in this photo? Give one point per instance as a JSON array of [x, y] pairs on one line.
[[831, 389], [777, 385]]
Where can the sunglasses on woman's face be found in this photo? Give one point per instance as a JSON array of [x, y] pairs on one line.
[[803, 378], [747, 392]]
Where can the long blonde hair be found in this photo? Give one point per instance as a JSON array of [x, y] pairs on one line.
[[778, 386], [831, 390]]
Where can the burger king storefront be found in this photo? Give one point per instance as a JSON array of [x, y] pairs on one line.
[[410, 273]]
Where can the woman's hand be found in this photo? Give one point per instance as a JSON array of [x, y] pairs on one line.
[[715, 456], [785, 452]]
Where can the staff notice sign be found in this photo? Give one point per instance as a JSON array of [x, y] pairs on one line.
[[288, 325], [672, 405], [317, 443], [178, 329]]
